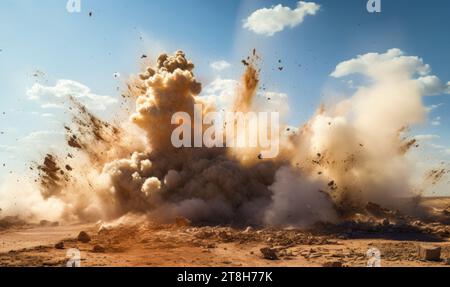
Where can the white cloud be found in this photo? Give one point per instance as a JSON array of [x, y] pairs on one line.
[[52, 106], [221, 92], [268, 21], [433, 107], [426, 137], [350, 84], [272, 102], [56, 96], [437, 146], [7, 148], [41, 137], [431, 85], [447, 151], [47, 115], [393, 65], [378, 65], [220, 65], [37, 140], [436, 121]]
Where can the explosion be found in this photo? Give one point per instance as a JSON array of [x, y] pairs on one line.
[[347, 155]]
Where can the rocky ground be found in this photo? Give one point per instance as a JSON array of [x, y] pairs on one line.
[[138, 242]]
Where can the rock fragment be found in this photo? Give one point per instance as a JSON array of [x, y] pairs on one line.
[[269, 253], [248, 229], [59, 245], [446, 211], [430, 253]]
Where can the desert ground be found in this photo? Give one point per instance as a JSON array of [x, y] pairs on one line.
[[138, 242]]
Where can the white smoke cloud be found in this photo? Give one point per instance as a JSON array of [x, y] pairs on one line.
[[19, 197], [56, 96], [296, 201], [358, 142], [268, 21]]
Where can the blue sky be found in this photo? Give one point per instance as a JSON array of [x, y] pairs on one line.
[[42, 37]]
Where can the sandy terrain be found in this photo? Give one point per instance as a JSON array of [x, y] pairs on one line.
[[143, 243]]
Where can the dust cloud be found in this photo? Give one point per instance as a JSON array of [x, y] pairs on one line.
[[347, 155]]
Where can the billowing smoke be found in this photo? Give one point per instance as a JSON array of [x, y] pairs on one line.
[[348, 154], [357, 144], [298, 201]]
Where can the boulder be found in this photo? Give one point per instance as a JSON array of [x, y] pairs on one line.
[[59, 245], [83, 237]]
